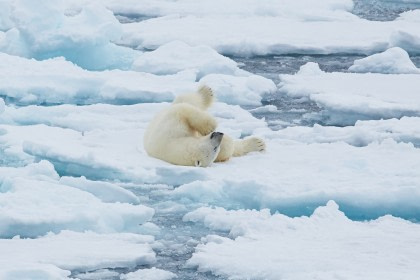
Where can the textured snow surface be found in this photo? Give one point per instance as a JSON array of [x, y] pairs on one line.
[[55, 81], [321, 246], [392, 61], [347, 97], [324, 9], [34, 201], [53, 256], [149, 274], [80, 199], [263, 35]]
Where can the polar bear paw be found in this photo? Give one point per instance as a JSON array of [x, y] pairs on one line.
[[207, 95], [254, 144]]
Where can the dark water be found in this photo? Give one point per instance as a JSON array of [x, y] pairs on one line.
[[382, 10]]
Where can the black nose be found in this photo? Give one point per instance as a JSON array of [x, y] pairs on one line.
[[214, 134]]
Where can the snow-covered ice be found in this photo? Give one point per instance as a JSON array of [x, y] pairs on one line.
[[177, 56], [348, 97], [326, 245], [54, 256], [392, 61], [81, 31], [262, 35], [149, 274], [34, 201], [80, 198]]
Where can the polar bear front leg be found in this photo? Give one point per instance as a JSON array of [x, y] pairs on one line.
[[251, 144], [197, 119]]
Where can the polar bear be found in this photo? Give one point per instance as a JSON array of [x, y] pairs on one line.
[[184, 133]]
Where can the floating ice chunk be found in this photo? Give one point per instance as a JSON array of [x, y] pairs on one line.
[[406, 129], [348, 97], [413, 15], [322, 10], [177, 56], [97, 275], [35, 203], [107, 192], [392, 61], [27, 81], [406, 40], [326, 245], [265, 109], [82, 32], [239, 90], [262, 35], [149, 274], [55, 255], [291, 178]]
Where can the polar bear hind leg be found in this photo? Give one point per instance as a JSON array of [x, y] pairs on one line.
[[202, 99], [236, 148]]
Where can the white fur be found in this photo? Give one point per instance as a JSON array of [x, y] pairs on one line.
[[181, 134]]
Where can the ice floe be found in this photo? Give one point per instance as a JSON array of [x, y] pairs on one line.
[[54, 256], [289, 177], [177, 56], [348, 97], [262, 35], [149, 274], [34, 201], [322, 10], [392, 61], [56, 81], [326, 245], [80, 31]]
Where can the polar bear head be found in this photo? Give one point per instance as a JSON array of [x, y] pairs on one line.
[[208, 149]]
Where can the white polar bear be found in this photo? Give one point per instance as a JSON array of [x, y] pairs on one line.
[[184, 134]]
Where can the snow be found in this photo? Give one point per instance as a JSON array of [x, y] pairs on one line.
[[59, 81], [177, 56], [53, 256], [104, 142], [323, 10], [55, 81], [33, 202], [392, 61], [149, 274], [80, 31], [80, 198], [263, 35], [348, 97], [326, 245], [239, 90], [363, 133]]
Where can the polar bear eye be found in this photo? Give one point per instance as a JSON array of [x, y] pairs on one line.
[[197, 163]]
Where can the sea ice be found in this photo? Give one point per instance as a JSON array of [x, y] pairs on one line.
[[33, 202], [321, 10], [177, 56], [348, 97], [53, 256], [80, 31], [264, 35], [105, 142], [392, 61], [326, 245], [149, 274], [406, 129], [28, 81]]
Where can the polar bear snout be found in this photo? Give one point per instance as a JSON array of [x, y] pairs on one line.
[[217, 135]]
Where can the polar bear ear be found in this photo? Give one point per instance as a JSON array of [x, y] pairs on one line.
[[197, 163]]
